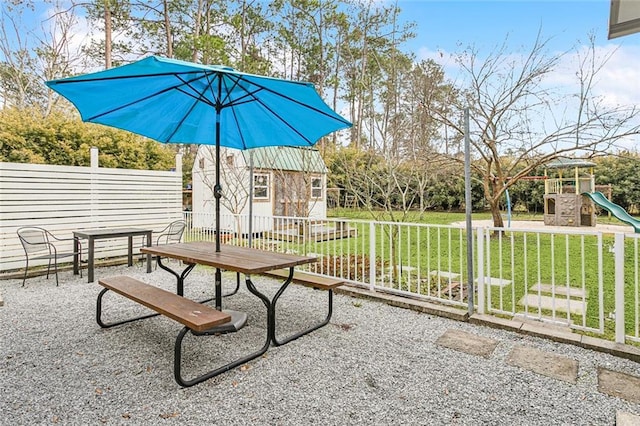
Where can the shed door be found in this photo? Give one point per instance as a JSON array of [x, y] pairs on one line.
[[291, 195]]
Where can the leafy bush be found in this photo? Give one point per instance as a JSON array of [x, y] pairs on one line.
[[59, 139]]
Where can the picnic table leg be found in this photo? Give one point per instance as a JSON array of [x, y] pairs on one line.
[[218, 289], [179, 277], [113, 324], [237, 286], [274, 338], [177, 359]]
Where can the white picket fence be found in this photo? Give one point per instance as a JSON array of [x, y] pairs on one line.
[[67, 198]]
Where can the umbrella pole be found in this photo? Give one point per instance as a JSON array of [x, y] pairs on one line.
[[250, 198], [217, 190], [238, 319], [217, 193]]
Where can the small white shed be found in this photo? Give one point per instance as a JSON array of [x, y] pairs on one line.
[[287, 182]]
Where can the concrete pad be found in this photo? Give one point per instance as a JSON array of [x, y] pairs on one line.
[[496, 282], [624, 418], [547, 303], [559, 290], [403, 268], [445, 276], [467, 343], [544, 363], [618, 384]]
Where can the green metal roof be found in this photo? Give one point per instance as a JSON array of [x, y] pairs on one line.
[[286, 158], [566, 163]]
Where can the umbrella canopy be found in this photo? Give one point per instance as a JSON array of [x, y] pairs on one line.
[[174, 101]]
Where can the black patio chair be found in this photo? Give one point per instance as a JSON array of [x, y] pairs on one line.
[[172, 233], [38, 243]]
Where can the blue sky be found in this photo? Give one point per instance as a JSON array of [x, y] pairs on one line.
[[443, 24]]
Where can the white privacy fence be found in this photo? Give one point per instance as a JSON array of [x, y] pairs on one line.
[[580, 278], [67, 198]]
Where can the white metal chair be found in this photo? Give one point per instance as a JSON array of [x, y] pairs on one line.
[[38, 243]]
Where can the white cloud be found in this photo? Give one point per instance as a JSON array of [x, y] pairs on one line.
[[446, 60], [619, 81], [63, 26]]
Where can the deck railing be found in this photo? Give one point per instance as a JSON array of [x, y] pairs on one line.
[[578, 277]]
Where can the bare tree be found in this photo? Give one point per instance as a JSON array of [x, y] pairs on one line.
[[18, 81], [389, 187], [520, 122], [234, 180], [58, 52], [32, 56]]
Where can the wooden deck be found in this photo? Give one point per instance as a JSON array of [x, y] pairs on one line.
[[317, 233]]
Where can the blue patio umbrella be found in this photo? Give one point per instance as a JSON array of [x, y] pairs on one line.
[[175, 101]]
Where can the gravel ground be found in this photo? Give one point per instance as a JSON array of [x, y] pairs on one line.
[[373, 364]]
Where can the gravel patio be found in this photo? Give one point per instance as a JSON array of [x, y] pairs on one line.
[[373, 364]]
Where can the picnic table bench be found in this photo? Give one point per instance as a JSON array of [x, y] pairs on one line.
[[309, 280], [195, 317]]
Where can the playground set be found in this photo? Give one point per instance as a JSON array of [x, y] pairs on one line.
[[570, 198]]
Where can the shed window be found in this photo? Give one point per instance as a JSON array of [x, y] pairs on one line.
[[316, 187], [261, 187]]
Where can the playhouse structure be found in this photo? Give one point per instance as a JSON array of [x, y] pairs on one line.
[[567, 183]]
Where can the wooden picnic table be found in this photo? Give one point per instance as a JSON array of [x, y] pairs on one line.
[[243, 260], [232, 258]]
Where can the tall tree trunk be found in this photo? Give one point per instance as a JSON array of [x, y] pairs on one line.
[[167, 29], [107, 35], [496, 215], [196, 33]]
